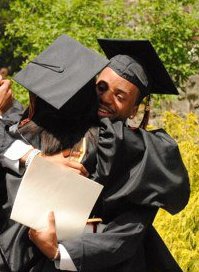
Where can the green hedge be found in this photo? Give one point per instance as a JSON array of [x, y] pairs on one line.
[[181, 232]]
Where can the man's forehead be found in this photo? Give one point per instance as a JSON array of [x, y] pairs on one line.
[[109, 76]]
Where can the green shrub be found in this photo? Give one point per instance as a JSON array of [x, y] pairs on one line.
[[171, 26], [20, 93], [33, 27], [181, 232]]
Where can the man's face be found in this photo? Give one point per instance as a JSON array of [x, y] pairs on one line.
[[117, 96]]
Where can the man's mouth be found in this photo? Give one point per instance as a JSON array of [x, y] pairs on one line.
[[104, 111]]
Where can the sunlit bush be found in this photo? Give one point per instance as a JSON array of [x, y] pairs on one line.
[[180, 232]]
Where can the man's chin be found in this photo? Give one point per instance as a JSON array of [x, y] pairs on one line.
[[112, 118]]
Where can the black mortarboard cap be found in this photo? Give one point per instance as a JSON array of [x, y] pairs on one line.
[[60, 71], [138, 62]]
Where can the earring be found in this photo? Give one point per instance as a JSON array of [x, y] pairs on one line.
[[131, 117]]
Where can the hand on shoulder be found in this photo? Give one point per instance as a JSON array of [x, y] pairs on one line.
[[67, 159]]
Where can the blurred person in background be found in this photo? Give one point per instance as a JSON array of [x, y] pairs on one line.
[[4, 72], [10, 109]]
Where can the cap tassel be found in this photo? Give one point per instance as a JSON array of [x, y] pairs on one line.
[[145, 119], [31, 110]]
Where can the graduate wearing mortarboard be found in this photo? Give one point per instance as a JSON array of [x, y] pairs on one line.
[[141, 171], [56, 119]]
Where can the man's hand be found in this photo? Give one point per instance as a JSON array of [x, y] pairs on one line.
[[6, 98], [46, 240]]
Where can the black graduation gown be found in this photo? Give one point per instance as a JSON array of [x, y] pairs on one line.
[[141, 171], [12, 116], [14, 113]]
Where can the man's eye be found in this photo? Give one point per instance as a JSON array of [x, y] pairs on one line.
[[120, 97], [101, 87]]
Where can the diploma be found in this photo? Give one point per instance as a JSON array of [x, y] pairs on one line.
[[49, 187]]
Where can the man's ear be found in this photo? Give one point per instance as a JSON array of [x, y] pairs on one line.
[[134, 111]]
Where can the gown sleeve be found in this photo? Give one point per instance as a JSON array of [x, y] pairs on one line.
[[144, 167], [116, 246], [12, 116], [5, 139]]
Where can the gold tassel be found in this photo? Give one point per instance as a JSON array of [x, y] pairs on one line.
[[145, 118]]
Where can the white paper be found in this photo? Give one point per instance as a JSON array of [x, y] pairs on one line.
[[49, 187]]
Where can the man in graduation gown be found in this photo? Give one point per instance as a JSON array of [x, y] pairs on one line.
[[141, 171]]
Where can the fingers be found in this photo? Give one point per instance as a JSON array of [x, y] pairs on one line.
[[29, 234], [60, 159], [32, 233], [9, 92], [68, 153], [5, 85], [9, 95], [80, 169], [75, 154], [51, 221]]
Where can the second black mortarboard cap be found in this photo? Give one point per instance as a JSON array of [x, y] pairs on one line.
[[138, 62], [60, 71]]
